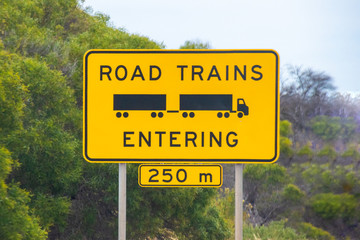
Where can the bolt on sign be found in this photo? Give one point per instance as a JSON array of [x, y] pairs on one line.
[[181, 106]]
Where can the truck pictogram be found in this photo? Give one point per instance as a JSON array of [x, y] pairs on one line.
[[189, 104], [222, 103], [123, 103]]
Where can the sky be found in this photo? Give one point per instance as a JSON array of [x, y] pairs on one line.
[[321, 34]]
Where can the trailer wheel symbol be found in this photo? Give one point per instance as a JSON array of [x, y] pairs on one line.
[[125, 114]]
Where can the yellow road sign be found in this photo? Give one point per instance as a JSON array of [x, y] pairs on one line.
[[180, 175], [181, 106]]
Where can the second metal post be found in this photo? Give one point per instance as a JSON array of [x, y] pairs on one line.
[[122, 202], [239, 201]]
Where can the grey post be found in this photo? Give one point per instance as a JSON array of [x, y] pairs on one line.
[[122, 201], [239, 201]]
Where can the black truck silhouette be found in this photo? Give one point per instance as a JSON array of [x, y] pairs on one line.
[[212, 102], [140, 102], [189, 103]]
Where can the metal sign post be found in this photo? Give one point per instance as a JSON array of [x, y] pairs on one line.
[[122, 202], [239, 201], [181, 107]]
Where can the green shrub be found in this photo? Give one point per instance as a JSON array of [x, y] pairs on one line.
[[328, 151], [312, 232], [331, 206], [286, 128], [293, 193], [306, 150], [275, 231], [285, 146], [17, 220], [327, 128], [352, 152]]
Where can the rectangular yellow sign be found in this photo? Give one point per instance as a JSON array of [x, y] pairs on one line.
[[180, 175], [181, 106]]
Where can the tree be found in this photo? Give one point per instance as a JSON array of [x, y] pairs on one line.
[[305, 96], [263, 188], [286, 148], [38, 124], [17, 220], [13, 94], [197, 44]]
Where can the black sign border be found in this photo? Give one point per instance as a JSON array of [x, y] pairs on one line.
[[152, 160]]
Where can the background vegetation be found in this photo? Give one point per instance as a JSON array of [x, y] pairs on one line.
[[47, 191]]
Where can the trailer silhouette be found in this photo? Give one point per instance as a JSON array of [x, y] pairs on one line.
[[189, 104], [212, 102], [140, 102]]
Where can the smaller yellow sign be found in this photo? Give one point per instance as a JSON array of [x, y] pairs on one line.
[[160, 175]]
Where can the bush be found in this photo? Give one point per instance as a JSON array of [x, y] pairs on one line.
[[331, 206], [293, 193], [275, 230], [312, 232], [16, 218]]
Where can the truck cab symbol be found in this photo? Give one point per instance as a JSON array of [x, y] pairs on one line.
[[242, 108]]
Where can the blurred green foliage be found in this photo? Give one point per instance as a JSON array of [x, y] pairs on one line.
[[293, 193], [42, 46], [275, 230], [332, 128], [312, 232], [49, 191], [17, 220], [197, 44], [331, 206]]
